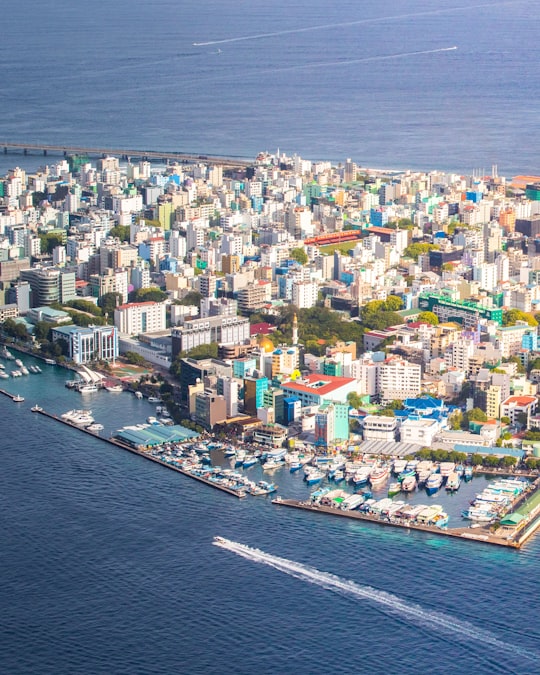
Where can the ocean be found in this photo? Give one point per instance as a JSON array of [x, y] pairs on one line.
[[107, 559], [403, 84], [108, 566]]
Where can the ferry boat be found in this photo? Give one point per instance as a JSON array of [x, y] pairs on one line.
[[352, 502], [378, 476], [453, 482], [433, 483], [408, 484], [313, 477]]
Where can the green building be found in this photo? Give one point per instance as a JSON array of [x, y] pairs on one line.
[[465, 312]]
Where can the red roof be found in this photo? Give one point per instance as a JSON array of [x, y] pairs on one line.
[[261, 329], [329, 383], [519, 401]]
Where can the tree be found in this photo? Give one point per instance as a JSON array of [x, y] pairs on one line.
[[152, 294], [456, 420], [134, 358], [505, 419], [354, 399], [477, 460], [428, 317], [512, 316], [85, 306], [120, 231], [109, 301], [42, 330], [15, 328], [475, 415], [299, 255], [414, 250], [50, 241], [191, 298]]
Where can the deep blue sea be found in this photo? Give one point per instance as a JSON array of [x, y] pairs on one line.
[[107, 566], [377, 82]]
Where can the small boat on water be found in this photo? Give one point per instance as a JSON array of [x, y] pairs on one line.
[[138, 394], [453, 482], [154, 399], [468, 473], [394, 489], [378, 476], [87, 389], [408, 484], [96, 426], [433, 483], [249, 460], [313, 477], [19, 363], [3, 375], [113, 388], [296, 466]]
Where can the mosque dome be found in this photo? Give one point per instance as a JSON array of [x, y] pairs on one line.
[[265, 343]]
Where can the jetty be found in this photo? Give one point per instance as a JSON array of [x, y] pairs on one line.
[[483, 533], [135, 451]]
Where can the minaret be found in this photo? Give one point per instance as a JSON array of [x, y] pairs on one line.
[[295, 330]]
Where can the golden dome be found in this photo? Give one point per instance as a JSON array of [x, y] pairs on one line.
[[265, 343]]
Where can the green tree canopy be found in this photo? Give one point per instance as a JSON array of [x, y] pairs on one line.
[[15, 328], [354, 399], [191, 298], [85, 306], [299, 255], [120, 231], [428, 317], [414, 250], [152, 294], [109, 301], [512, 316], [475, 415], [50, 241]]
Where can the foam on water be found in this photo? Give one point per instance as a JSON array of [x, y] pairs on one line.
[[463, 630]]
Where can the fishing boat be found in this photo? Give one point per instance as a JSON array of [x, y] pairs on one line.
[[433, 483], [407, 473], [249, 460], [314, 476], [295, 467], [338, 476]]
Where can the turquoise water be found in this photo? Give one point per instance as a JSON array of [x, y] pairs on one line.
[[108, 566]]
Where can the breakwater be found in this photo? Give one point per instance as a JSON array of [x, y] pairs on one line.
[[124, 446], [480, 534]]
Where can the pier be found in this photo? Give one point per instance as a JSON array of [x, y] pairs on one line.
[[13, 397], [480, 534], [126, 154], [140, 453]]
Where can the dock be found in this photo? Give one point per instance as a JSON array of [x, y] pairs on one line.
[[10, 395], [124, 446], [480, 534]]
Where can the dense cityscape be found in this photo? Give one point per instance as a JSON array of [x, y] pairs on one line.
[[327, 310]]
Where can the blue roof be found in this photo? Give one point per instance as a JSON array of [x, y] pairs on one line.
[[474, 449]]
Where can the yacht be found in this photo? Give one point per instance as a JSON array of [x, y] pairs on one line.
[[87, 389], [95, 427], [81, 418]]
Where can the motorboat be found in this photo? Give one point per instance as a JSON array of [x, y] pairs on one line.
[[96, 426], [81, 418], [408, 484], [433, 483], [453, 482]]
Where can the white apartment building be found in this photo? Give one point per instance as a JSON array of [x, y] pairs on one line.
[[399, 379], [304, 294], [140, 317], [379, 428]]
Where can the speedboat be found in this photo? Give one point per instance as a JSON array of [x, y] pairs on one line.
[[96, 426]]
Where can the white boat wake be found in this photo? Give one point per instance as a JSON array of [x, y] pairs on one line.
[[346, 24], [391, 603], [365, 59]]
